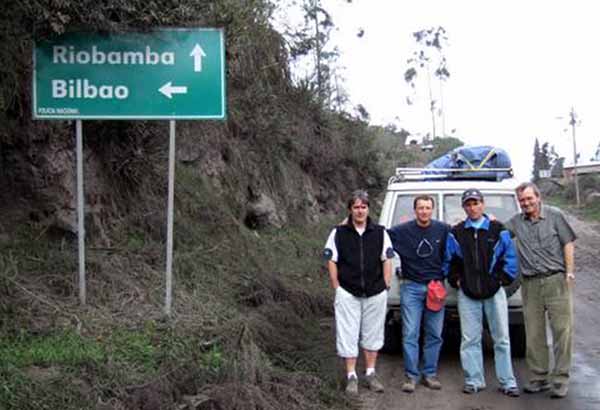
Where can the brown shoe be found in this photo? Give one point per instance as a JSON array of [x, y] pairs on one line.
[[559, 391], [432, 382], [409, 385], [373, 383], [536, 386]]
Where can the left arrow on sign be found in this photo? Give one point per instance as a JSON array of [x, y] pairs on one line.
[[168, 90]]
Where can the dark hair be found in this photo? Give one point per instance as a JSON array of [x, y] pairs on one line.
[[522, 187], [423, 198], [358, 194]]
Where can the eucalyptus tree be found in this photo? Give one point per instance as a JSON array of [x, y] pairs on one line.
[[596, 156], [428, 59], [308, 39]]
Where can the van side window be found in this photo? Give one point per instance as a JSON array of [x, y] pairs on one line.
[[502, 206]]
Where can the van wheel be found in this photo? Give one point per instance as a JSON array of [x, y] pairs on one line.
[[392, 342], [518, 343]]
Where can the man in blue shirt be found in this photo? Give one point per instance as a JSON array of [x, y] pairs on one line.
[[421, 245]]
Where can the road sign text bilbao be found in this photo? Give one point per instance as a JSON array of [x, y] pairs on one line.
[[81, 88]]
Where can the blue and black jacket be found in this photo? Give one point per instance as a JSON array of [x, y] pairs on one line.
[[482, 259]]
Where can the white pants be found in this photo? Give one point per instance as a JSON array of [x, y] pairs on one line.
[[356, 318]]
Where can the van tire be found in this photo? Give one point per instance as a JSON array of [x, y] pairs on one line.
[[392, 342], [518, 342]]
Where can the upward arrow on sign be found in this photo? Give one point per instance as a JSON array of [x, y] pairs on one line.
[[197, 53]]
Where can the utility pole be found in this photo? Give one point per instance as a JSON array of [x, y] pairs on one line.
[[431, 102], [573, 123], [442, 112]]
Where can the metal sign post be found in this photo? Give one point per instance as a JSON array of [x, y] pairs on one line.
[[80, 211], [170, 200], [165, 74]]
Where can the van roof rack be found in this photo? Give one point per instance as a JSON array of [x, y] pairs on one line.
[[428, 174]]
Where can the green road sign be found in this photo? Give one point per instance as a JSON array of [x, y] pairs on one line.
[[165, 74]]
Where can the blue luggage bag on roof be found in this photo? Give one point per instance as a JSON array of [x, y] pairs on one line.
[[482, 162]]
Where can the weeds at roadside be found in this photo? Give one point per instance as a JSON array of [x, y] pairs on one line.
[[121, 349]]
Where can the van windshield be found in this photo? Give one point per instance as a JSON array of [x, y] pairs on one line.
[[502, 206], [403, 211]]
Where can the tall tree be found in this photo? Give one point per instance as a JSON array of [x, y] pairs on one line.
[[556, 163], [308, 44], [545, 158], [537, 153], [429, 59], [322, 24], [596, 156], [557, 168]]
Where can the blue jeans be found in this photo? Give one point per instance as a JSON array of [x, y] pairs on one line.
[[412, 297], [471, 325]]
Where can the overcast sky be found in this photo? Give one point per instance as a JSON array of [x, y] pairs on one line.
[[515, 66]]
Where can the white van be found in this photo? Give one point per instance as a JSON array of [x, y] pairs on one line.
[[500, 201]]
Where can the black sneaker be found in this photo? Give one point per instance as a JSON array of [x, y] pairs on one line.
[[510, 391], [536, 386], [470, 389]]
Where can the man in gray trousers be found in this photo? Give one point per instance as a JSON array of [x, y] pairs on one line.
[[545, 244]]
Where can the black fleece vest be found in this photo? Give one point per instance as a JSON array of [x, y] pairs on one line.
[[360, 269]]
